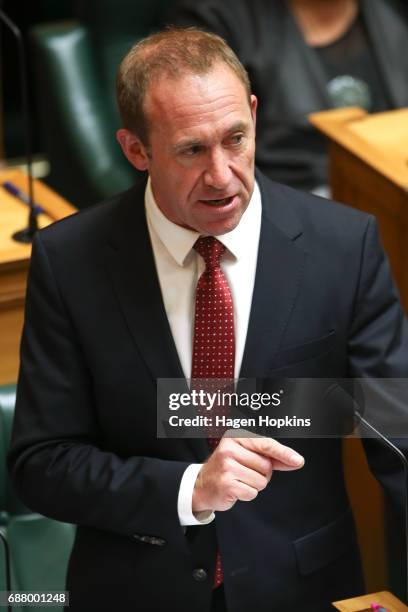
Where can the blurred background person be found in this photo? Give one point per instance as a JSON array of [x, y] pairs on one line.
[[304, 56]]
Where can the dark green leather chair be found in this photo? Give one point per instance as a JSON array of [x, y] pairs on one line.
[[7, 398], [76, 66], [3, 563], [39, 547], [9, 502]]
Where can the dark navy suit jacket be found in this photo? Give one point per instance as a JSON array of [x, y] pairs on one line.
[[85, 449]]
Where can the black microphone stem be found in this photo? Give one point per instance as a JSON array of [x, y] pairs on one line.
[[27, 234], [404, 461], [8, 572]]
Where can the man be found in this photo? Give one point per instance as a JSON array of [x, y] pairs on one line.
[[334, 53], [114, 303]]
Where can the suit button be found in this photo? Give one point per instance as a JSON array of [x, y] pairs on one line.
[[157, 541], [200, 574]]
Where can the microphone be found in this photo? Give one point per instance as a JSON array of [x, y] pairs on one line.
[[404, 461], [8, 574], [350, 409], [25, 235]]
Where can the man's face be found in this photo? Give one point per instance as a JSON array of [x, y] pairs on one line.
[[201, 149]]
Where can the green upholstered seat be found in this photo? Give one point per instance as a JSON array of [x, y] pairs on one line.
[[7, 500], [76, 63], [3, 565], [39, 547]]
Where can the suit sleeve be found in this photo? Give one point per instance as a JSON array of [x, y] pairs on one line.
[[378, 348], [57, 466], [378, 339]]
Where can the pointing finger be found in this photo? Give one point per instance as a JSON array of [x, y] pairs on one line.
[[285, 458]]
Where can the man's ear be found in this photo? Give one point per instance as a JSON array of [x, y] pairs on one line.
[[254, 104], [133, 148]]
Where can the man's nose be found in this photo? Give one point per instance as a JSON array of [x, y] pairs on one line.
[[218, 172]]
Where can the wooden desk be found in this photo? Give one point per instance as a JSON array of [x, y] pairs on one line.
[[14, 260], [368, 161], [384, 598]]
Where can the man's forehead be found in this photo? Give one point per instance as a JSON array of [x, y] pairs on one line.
[[165, 85]]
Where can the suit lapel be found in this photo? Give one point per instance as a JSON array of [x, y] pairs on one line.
[[131, 267], [133, 273], [278, 277]]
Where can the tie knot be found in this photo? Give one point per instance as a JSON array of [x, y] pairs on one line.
[[210, 249]]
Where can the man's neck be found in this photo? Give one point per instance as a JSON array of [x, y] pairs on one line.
[[323, 21]]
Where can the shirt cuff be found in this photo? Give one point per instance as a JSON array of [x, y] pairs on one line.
[[185, 499]]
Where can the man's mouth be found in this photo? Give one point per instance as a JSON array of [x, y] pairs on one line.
[[218, 202]]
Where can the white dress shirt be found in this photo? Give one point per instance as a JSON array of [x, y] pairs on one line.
[[179, 267]]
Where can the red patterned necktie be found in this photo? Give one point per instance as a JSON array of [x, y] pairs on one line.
[[214, 337]]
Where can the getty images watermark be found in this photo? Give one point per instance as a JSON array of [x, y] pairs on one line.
[[282, 408], [215, 409]]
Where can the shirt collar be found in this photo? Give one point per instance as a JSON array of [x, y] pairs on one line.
[[179, 241]]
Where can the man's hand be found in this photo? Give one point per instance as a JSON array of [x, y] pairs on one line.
[[238, 469]]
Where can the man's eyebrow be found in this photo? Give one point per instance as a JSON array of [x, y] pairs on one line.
[[187, 144], [239, 126]]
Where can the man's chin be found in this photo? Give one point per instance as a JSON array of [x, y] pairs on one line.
[[218, 228], [221, 222]]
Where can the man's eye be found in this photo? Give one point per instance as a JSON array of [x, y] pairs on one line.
[[193, 150], [237, 139]]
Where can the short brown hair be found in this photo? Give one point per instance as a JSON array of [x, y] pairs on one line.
[[172, 52]]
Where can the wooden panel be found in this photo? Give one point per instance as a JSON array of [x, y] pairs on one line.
[[11, 324], [14, 261], [369, 171], [386, 133], [367, 501], [56, 206], [13, 279], [360, 604], [358, 185], [342, 128]]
